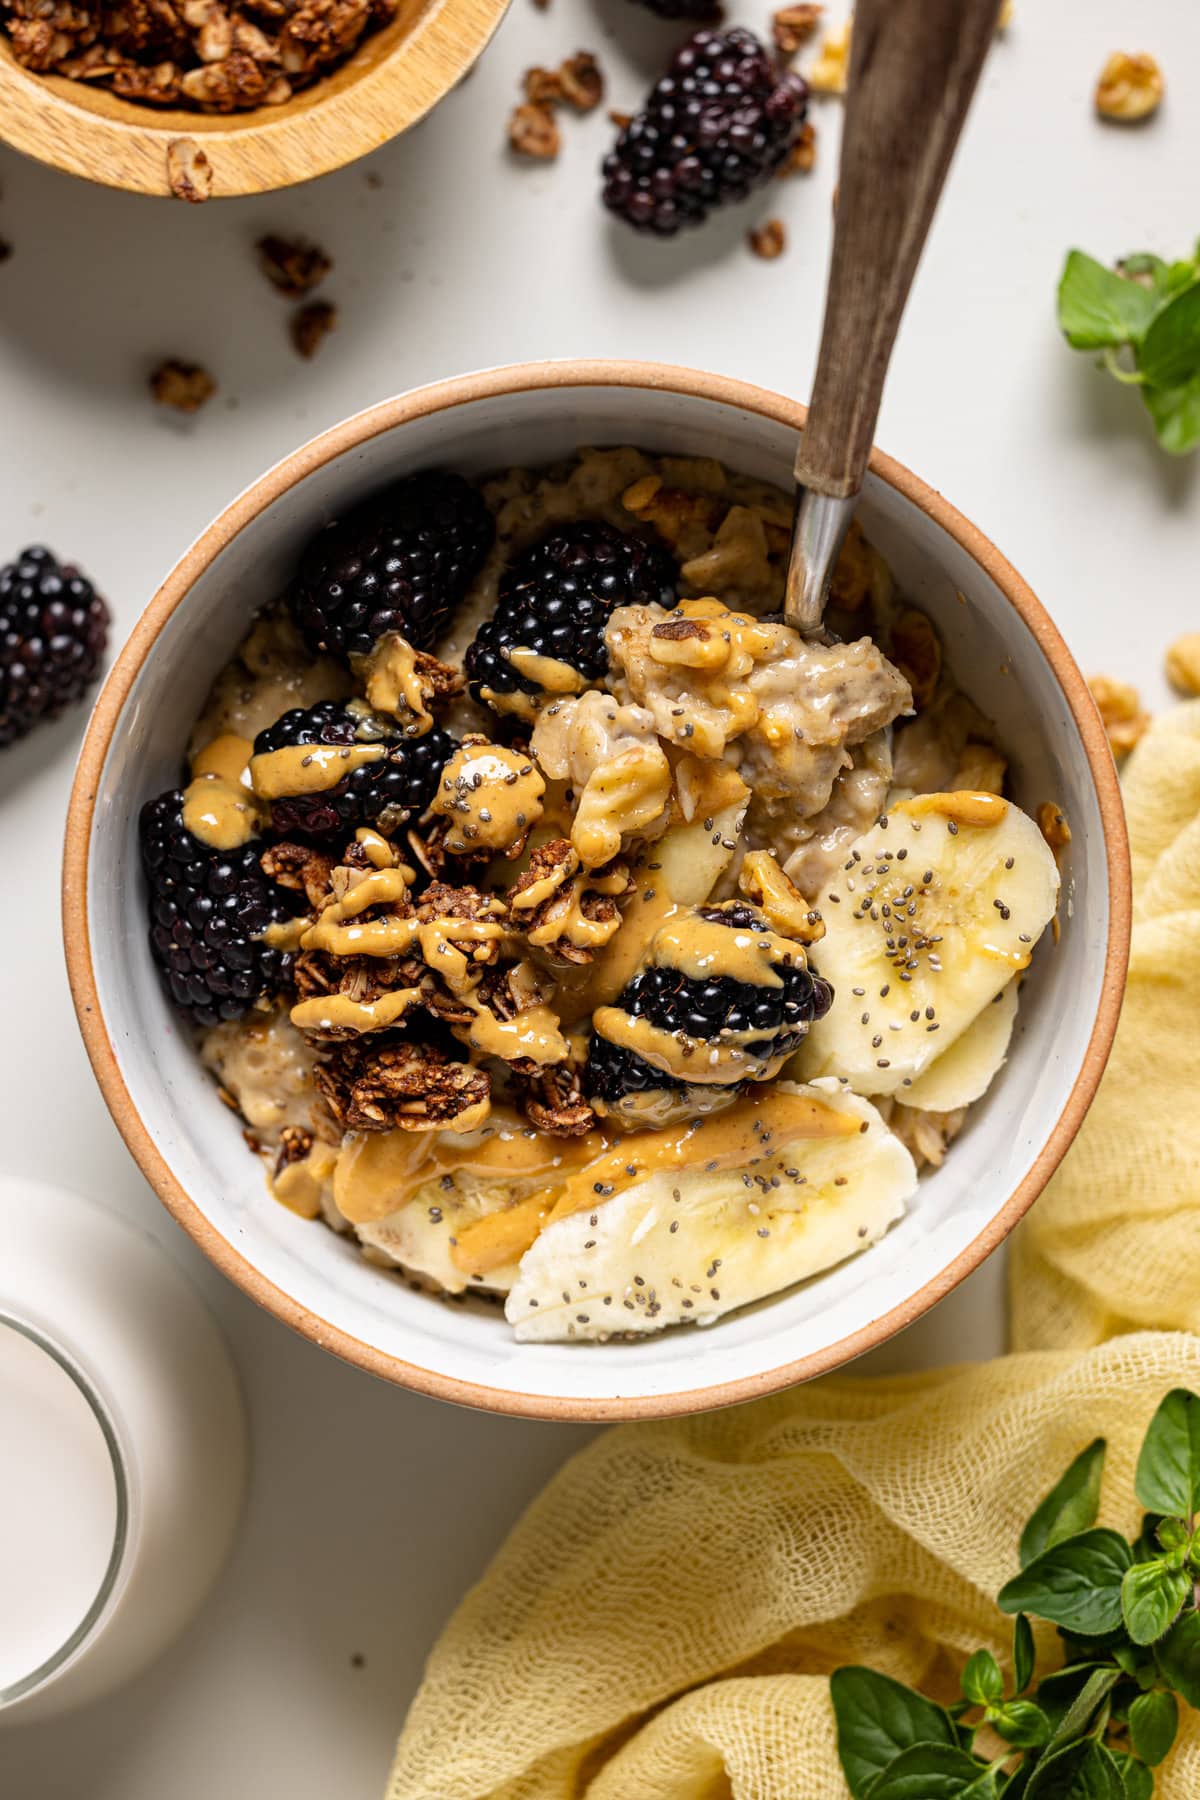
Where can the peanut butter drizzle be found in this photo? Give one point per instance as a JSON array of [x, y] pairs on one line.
[[395, 937], [379, 853], [965, 808], [649, 906], [754, 1128], [727, 1060], [222, 814], [532, 1032], [308, 768], [553, 676], [393, 685], [491, 796], [226, 755], [569, 921], [329, 1012], [287, 934], [622, 797], [703, 949], [301, 1185]]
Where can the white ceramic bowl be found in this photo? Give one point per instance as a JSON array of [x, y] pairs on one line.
[[1006, 653]]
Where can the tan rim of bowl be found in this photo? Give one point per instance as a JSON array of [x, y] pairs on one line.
[[390, 82], [439, 397]]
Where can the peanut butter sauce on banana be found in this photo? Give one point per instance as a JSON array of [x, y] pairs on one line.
[[964, 808], [491, 796], [308, 768]]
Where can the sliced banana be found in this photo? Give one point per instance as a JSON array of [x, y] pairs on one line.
[[934, 911], [687, 1247], [420, 1234], [965, 1071]]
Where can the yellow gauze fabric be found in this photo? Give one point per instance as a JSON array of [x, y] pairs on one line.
[[661, 1623]]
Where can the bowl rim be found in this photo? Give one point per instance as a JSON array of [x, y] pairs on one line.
[[125, 144], [385, 416]]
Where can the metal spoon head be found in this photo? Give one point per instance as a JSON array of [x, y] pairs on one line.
[[818, 533]]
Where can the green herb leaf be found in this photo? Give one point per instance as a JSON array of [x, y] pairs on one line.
[[1169, 356], [1083, 1770], [982, 1681], [1098, 308], [1153, 1722], [1178, 1656], [1079, 1714], [1168, 1470], [1152, 1597], [1172, 1534], [877, 1718], [1139, 1782], [933, 1772], [1024, 1653], [1070, 1506], [1077, 1584], [1020, 1722], [1176, 415]]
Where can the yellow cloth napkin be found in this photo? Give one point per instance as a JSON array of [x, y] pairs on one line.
[[660, 1624]]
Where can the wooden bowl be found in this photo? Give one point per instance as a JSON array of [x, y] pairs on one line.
[[189, 1146], [390, 82]]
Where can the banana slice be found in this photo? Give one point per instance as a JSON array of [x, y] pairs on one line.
[[964, 1072], [933, 913], [420, 1234], [688, 1246]]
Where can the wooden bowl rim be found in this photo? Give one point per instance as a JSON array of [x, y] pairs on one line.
[[419, 403], [322, 129]]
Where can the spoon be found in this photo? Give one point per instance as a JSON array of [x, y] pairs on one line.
[[914, 66]]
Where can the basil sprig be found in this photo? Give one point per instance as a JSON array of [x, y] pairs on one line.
[[1129, 1627], [1144, 318]]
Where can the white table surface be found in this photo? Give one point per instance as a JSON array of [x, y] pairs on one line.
[[370, 1509]]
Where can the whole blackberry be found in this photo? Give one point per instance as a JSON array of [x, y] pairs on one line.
[[53, 630], [398, 786], [719, 123], [556, 597], [765, 1022], [400, 562], [208, 911]]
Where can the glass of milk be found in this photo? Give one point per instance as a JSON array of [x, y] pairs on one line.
[[122, 1451]]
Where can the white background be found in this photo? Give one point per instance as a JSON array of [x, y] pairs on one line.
[[371, 1510]]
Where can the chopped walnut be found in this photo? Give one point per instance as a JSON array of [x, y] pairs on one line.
[[542, 87], [580, 81], [189, 171], [685, 521], [185, 386], [792, 26], [233, 84], [533, 132], [415, 1087], [159, 86], [981, 770], [1130, 87], [1183, 663], [563, 910], [292, 265], [1052, 823], [322, 32], [829, 73], [769, 240], [1121, 711], [802, 157], [300, 868], [311, 325], [552, 1100], [917, 653]]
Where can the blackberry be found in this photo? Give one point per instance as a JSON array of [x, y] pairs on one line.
[[208, 911], [704, 1013], [556, 597], [53, 631], [400, 562], [718, 123], [398, 786]]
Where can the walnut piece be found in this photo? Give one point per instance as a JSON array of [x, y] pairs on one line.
[[292, 265], [792, 26], [581, 82], [189, 171], [802, 157], [1183, 663], [542, 87], [311, 325], [1130, 87], [768, 240], [185, 386], [415, 1087], [1121, 711], [532, 132]]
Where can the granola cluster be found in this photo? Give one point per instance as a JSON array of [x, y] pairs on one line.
[[201, 54]]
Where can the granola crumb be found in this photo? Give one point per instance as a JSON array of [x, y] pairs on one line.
[[311, 325], [1121, 710], [581, 82], [5, 250], [1052, 823], [1130, 87], [532, 132], [189, 172], [1183, 664], [292, 265], [829, 73], [802, 158], [184, 386], [769, 240], [542, 87], [619, 119], [792, 26]]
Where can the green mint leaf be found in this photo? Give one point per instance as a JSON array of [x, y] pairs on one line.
[[1070, 1506], [1153, 1722], [1172, 1534], [982, 1681], [877, 1718], [1167, 1479], [933, 1772], [1077, 1584], [1178, 1657], [1098, 308], [1169, 357], [1021, 1723], [1139, 1782], [1176, 415], [1079, 1713], [1024, 1653], [1152, 1597], [1083, 1770]]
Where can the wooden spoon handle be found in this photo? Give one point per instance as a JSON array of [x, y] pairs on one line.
[[914, 65]]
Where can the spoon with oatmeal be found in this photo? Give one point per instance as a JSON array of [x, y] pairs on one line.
[[914, 67]]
